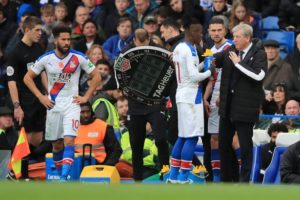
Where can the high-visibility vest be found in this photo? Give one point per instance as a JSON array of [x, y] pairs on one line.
[[93, 134], [113, 116], [150, 150]]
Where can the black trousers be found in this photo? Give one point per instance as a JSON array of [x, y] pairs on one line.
[[229, 165], [137, 133]]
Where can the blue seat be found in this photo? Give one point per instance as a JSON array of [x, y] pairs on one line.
[[270, 23], [272, 173], [255, 171], [286, 40]]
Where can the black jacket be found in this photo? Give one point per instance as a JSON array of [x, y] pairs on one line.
[[244, 103], [290, 164]]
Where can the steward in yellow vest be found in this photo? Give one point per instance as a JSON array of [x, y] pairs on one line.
[[100, 135], [103, 104]]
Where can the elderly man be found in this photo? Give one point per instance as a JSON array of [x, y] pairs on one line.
[[279, 71], [243, 69]]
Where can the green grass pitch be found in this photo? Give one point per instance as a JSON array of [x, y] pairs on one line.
[[90, 191]]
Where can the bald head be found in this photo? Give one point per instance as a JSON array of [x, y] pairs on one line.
[[141, 37], [292, 107]]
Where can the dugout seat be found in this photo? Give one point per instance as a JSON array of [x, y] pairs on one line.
[[272, 173], [283, 140], [255, 171], [260, 137], [270, 23]]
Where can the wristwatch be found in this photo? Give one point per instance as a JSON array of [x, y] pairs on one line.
[[16, 104]]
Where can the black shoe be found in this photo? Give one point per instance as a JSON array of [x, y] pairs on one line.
[[11, 177]]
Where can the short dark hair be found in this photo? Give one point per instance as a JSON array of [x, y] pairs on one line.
[[31, 21], [216, 20], [57, 30], [277, 127], [169, 22], [188, 21], [89, 21], [102, 62], [124, 19]]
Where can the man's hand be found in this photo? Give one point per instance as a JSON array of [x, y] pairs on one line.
[[218, 102], [79, 99], [234, 57], [44, 99], [19, 115], [207, 107], [212, 68]]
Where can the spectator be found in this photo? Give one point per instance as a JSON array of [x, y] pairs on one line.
[[104, 69], [100, 135], [122, 108], [279, 71], [290, 165], [110, 21], [11, 9], [162, 13], [289, 18], [268, 149], [240, 13], [7, 29], [142, 8], [151, 26], [81, 15], [189, 8], [219, 7], [116, 43], [94, 53], [8, 135], [275, 100], [48, 18], [95, 11], [90, 36], [264, 7], [61, 14], [292, 108]]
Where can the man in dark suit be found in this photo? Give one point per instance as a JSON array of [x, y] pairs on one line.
[[243, 68]]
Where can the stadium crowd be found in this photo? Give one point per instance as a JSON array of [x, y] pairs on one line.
[[101, 30]]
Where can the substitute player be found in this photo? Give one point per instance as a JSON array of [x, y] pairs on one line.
[[217, 31], [62, 66], [188, 100]]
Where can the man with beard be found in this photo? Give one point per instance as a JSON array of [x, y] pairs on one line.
[[100, 135], [268, 149], [62, 66]]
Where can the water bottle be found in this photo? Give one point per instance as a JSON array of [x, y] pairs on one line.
[[208, 54]]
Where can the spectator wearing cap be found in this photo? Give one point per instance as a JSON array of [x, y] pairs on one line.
[[103, 104], [8, 135], [279, 71], [151, 26]]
